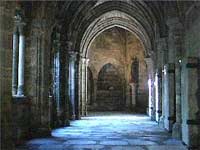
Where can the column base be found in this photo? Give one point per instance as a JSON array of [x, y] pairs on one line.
[[73, 117], [176, 130], [20, 90], [161, 122], [41, 132]]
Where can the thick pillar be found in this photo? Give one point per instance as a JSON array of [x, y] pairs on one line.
[[170, 111], [176, 132], [190, 105], [14, 63], [162, 79], [178, 37], [20, 90], [150, 87], [158, 98], [170, 96], [72, 69]]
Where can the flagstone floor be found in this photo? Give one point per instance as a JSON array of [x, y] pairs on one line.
[[108, 131]]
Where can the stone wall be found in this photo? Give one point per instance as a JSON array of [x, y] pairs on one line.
[[6, 24]]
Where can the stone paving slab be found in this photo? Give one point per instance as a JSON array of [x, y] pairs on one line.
[[118, 132], [166, 147], [114, 142], [79, 142], [140, 142]]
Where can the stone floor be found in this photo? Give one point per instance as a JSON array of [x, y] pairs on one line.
[[100, 131]]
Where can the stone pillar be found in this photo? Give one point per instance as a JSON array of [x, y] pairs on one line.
[[158, 94], [72, 69], [14, 63], [84, 65], [80, 87], [162, 78], [133, 95], [170, 97], [170, 111], [95, 92], [190, 102], [83, 98], [176, 132], [77, 102], [150, 85], [20, 91], [86, 85], [178, 32]]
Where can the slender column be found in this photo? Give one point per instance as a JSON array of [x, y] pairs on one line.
[[95, 92], [20, 91], [157, 100], [158, 95], [83, 86], [86, 84], [80, 87], [133, 95], [14, 63], [72, 84], [77, 102], [150, 85]]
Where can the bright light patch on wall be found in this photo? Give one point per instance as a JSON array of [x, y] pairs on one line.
[[156, 94], [150, 103]]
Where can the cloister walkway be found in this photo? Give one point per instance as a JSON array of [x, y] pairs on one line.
[[108, 131]]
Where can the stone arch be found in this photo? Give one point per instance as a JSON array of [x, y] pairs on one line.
[[112, 19]]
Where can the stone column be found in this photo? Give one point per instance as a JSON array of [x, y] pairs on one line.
[[176, 132], [14, 63], [77, 102], [133, 96], [150, 85], [162, 78], [170, 101], [95, 92], [178, 32], [83, 86], [20, 91], [86, 85], [158, 77], [170, 111], [72, 61], [80, 87], [190, 102]]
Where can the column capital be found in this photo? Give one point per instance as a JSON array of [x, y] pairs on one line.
[[174, 24], [84, 60], [73, 55]]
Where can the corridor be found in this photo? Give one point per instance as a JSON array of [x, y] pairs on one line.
[[108, 131]]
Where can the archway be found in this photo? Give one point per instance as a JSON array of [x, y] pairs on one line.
[[109, 89], [119, 19], [111, 55]]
